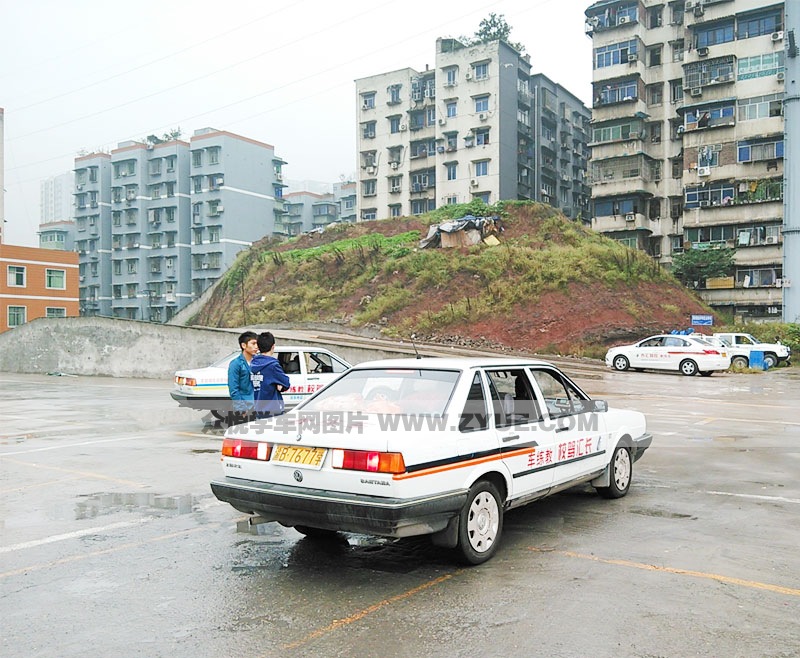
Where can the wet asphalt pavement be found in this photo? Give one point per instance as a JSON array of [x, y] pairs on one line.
[[113, 545]]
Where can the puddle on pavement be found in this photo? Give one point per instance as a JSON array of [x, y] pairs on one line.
[[662, 514], [108, 503]]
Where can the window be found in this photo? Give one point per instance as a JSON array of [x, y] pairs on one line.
[[482, 104], [759, 66], [368, 187], [368, 214], [55, 312], [482, 168], [56, 279], [170, 162], [481, 71], [560, 397], [197, 236], [676, 91], [709, 117], [677, 50], [170, 213], [368, 130], [613, 133], [753, 151], [431, 115], [16, 276], [482, 136], [615, 53], [721, 32], [395, 183], [758, 277], [116, 267], [213, 155], [395, 210], [197, 158], [117, 291], [655, 16], [714, 194], [394, 94], [760, 23], [616, 92], [132, 290], [132, 266], [655, 94], [451, 108], [654, 56], [394, 124], [677, 168], [156, 192], [654, 132], [368, 100], [451, 75], [698, 74], [16, 316], [760, 107], [155, 167], [452, 170]]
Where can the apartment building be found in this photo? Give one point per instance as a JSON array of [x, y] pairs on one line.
[[36, 283], [463, 130], [311, 205], [158, 223], [687, 137]]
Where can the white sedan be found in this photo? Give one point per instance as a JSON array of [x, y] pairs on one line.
[[439, 447], [687, 354], [309, 370]]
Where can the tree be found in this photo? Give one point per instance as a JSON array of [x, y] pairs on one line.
[[694, 266], [493, 28]]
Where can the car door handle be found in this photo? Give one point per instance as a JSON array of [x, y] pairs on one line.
[[562, 429], [510, 437], [313, 379]]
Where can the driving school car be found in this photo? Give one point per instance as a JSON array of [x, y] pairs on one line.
[[309, 369], [439, 447], [688, 354]]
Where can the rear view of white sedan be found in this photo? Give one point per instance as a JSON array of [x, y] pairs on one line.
[[686, 354]]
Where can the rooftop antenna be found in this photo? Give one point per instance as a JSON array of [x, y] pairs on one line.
[[414, 345]]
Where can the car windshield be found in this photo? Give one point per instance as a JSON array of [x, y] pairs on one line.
[[388, 391], [223, 363]]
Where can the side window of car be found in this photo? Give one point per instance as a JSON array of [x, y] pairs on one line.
[[560, 396], [512, 397], [475, 415], [653, 342], [319, 362], [290, 362]]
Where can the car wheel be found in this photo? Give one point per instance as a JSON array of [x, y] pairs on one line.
[[620, 363], [706, 373], [770, 360], [688, 368], [480, 524], [739, 362], [621, 472]]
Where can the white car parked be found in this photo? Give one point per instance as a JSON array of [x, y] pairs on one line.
[[309, 370], [687, 354], [740, 345], [440, 447]]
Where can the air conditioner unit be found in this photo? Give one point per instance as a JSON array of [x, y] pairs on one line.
[[780, 76], [474, 182], [468, 76], [630, 217], [698, 9], [771, 239], [366, 106], [135, 245], [777, 36], [442, 122], [370, 170], [680, 130], [219, 209], [204, 266], [278, 176], [403, 127], [623, 19], [696, 91], [704, 171], [440, 149], [690, 4], [705, 204], [702, 52], [483, 116], [633, 57], [395, 165], [634, 135], [80, 187]]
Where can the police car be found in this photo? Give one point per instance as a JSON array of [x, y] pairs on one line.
[[309, 370], [439, 447]]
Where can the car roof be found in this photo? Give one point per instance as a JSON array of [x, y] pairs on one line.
[[453, 363]]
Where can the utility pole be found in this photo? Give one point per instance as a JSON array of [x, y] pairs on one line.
[[791, 166]]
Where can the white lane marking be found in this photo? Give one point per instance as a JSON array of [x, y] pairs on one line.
[[66, 445], [74, 535], [780, 499]]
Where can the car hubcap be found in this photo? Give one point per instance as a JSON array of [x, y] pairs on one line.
[[622, 469], [620, 364], [484, 518]]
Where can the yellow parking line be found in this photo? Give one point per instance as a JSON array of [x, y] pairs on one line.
[[357, 616], [105, 551], [85, 474], [38, 484], [777, 589]]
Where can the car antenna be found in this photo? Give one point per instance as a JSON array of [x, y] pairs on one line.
[[414, 345]]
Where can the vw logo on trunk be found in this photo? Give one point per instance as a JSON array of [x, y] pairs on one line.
[[297, 475]]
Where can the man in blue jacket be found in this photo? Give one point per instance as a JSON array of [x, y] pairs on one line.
[[268, 378], [240, 385]]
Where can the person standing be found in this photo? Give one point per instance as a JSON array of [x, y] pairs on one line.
[[240, 385], [269, 380]]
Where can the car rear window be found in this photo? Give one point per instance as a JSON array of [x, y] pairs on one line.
[[389, 391]]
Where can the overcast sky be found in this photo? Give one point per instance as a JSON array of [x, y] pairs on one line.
[[88, 74]]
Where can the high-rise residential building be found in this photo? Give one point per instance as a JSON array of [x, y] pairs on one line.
[[2, 176], [56, 226], [687, 137], [158, 223], [312, 205], [463, 130]]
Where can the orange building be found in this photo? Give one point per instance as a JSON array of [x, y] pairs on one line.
[[36, 283]]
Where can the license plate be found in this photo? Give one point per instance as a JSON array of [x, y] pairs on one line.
[[299, 456]]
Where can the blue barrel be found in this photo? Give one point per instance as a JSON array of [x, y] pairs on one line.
[[757, 360]]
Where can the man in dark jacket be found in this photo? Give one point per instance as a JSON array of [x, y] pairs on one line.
[[268, 378], [240, 386]]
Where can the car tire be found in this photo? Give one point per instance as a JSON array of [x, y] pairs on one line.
[[770, 360], [620, 363], [480, 523], [740, 362], [688, 368], [621, 467], [706, 373]]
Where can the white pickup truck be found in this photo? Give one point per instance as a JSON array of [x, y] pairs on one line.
[[740, 345]]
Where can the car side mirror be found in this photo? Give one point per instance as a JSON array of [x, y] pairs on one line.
[[600, 405]]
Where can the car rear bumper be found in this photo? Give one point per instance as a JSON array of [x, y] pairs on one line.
[[386, 517], [200, 402]]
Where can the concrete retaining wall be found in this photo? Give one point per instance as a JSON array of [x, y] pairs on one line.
[[127, 348]]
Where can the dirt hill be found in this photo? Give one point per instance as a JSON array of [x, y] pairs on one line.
[[550, 286]]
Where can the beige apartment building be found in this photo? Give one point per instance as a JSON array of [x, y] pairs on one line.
[[687, 137]]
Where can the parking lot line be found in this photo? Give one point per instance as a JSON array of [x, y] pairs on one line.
[[62, 446], [86, 474], [74, 535], [357, 616], [753, 584]]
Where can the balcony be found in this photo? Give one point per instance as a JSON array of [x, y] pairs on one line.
[[618, 223]]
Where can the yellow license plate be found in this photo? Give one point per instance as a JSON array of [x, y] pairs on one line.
[[299, 456]]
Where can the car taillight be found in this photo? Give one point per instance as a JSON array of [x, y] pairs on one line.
[[714, 352], [368, 460], [246, 449]]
